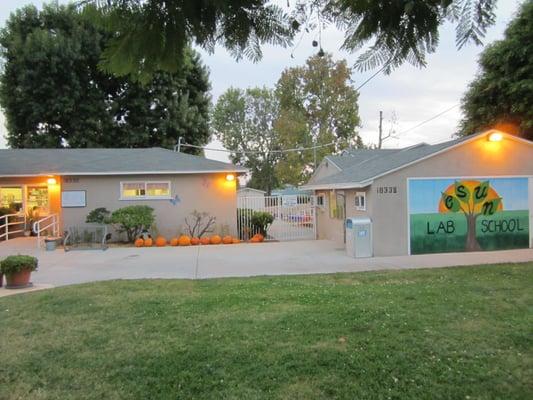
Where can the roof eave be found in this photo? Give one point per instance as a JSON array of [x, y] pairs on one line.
[[332, 186], [112, 173]]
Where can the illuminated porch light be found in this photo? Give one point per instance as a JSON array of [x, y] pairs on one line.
[[230, 177], [51, 181], [495, 137]]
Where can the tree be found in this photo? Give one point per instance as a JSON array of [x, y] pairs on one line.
[[502, 93], [318, 107], [473, 199], [54, 95], [149, 35], [244, 121]]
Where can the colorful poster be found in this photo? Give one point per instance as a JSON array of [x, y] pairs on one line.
[[452, 215]]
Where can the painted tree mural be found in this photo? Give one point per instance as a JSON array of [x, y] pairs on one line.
[[472, 198]]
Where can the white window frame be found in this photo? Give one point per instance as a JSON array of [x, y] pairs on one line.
[[360, 195], [145, 197]]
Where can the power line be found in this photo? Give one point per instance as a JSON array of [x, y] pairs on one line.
[[428, 120], [372, 77], [257, 151]]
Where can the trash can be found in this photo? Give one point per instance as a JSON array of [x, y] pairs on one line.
[[359, 237]]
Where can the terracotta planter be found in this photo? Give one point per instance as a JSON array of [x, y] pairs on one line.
[[19, 279]]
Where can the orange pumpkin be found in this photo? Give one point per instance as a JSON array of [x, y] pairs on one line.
[[216, 239], [139, 242], [205, 240], [174, 241], [195, 241], [148, 242], [259, 237], [255, 239], [227, 239], [235, 241], [184, 240], [160, 241]]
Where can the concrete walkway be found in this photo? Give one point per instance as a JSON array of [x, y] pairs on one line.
[[58, 268]]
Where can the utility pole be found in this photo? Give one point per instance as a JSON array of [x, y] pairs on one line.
[[380, 140], [178, 146]]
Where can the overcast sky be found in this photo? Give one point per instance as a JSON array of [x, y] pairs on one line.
[[413, 94]]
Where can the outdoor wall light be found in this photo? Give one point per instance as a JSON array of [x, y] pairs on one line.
[[51, 181], [230, 177], [495, 137]]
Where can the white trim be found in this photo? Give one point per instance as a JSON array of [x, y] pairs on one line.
[[347, 185], [363, 196], [145, 197], [47, 174], [333, 186]]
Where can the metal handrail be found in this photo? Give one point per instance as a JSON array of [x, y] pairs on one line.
[[53, 222], [6, 224]]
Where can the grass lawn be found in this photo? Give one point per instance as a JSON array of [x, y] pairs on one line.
[[454, 333]]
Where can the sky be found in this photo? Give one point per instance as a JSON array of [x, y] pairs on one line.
[[413, 94]]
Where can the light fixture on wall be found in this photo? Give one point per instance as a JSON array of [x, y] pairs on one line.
[[51, 181], [495, 137], [230, 177]]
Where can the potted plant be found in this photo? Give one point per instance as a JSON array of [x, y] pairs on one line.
[[17, 270]]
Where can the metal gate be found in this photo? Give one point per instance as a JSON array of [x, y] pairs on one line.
[[293, 217]]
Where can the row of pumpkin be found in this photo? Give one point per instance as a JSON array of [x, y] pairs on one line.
[[185, 240]]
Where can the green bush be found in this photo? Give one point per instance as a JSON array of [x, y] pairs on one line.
[[6, 210], [98, 215], [261, 221], [133, 220], [13, 264]]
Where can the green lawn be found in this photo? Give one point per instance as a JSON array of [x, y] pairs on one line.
[[454, 333]]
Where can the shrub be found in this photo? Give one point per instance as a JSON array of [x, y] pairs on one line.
[[261, 221], [98, 215], [13, 264], [133, 220]]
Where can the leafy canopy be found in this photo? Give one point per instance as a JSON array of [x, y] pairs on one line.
[[318, 107], [502, 92], [149, 35], [133, 220], [54, 95], [244, 122]]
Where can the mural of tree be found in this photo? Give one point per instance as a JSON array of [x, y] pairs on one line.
[[472, 198]]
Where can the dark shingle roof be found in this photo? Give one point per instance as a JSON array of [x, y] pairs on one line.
[[22, 162], [367, 164]]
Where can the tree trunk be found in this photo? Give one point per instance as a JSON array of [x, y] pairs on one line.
[[471, 240]]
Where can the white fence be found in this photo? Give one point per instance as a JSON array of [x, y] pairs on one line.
[[293, 217]]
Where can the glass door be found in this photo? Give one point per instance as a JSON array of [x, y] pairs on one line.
[[37, 200]]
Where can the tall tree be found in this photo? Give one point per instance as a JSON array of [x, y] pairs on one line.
[[502, 93], [318, 107], [150, 34], [54, 95], [244, 121]]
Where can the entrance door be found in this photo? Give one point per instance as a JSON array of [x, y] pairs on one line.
[[37, 200]]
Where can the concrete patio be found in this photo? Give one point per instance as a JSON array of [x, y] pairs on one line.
[[58, 268]]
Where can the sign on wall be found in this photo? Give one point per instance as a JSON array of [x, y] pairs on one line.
[[73, 198], [451, 215]]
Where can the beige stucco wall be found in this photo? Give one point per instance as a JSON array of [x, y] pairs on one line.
[[203, 192], [479, 158], [324, 169], [333, 228]]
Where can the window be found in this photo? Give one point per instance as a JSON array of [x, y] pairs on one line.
[[144, 190], [360, 201], [320, 200], [11, 197]]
